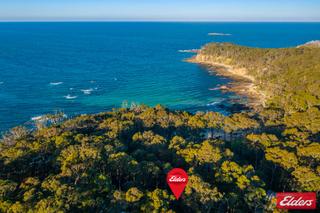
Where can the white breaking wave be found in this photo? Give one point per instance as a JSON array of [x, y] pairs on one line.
[[214, 103], [55, 83], [188, 51], [87, 91], [219, 34], [70, 97], [37, 118], [314, 43], [44, 118]]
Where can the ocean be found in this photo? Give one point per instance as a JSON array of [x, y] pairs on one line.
[[88, 67]]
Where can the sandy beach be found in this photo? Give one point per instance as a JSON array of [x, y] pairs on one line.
[[243, 83]]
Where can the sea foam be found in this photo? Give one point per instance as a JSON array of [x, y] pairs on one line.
[[55, 83], [219, 34], [70, 97], [37, 118], [188, 51], [214, 89], [213, 103], [87, 91], [219, 101]]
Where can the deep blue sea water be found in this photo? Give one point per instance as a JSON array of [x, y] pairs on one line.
[[90, 67]]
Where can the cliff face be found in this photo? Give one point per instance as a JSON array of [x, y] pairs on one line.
[[223, 65]]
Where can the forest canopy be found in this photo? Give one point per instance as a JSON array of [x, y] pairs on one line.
[[117, 161]]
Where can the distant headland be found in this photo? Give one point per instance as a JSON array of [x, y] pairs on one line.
[[262, 74]]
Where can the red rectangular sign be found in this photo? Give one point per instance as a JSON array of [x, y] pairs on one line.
[[296, 200]]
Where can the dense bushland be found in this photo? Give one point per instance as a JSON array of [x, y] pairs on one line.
[[117, 161]]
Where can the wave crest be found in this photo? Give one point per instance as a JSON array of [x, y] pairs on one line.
[[56, 83], [70, 97], [219, 34]]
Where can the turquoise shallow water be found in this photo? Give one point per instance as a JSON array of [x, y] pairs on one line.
[[90, 67]]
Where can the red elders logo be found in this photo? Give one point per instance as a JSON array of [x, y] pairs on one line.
[[291, 200], [177, 180]]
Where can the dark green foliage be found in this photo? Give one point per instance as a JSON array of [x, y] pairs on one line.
[[119, 160], [289, 77], [287, 146]]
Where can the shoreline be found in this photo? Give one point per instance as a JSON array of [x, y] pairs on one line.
[[242, 84]]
